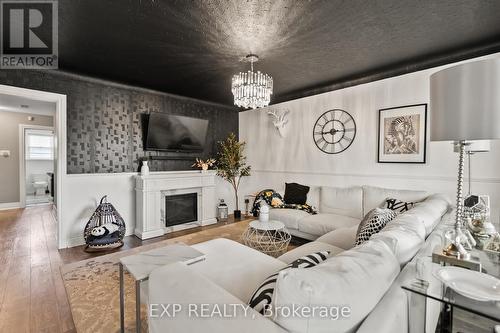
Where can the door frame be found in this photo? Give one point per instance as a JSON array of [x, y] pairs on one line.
[[59, 144], [22, 157]]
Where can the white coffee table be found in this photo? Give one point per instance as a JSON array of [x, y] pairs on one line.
[[140, 265], [270, 237]]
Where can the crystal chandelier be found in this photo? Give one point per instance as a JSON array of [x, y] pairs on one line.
[[250, 89]]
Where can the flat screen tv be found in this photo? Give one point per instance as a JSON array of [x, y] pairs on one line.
[[175, 133]]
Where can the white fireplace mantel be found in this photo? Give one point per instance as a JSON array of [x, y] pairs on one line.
[[150, 193]]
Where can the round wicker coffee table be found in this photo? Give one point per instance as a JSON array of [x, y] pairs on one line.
[[270, 237]]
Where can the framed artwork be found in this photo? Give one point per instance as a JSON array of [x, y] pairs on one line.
[[402, 134]]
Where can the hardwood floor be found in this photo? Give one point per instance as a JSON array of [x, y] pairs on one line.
[[32, 294]]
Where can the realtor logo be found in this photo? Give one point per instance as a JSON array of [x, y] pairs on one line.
[[28, 34]]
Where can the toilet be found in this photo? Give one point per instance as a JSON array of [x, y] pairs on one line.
[[40, 183]]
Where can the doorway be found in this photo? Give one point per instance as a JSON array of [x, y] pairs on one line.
[[9, 155], [37, 169]]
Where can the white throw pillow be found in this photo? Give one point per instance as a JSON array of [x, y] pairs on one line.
[[338, 283]]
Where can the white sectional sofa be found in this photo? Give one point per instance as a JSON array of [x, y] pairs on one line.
[[338, 207], [367, 278]]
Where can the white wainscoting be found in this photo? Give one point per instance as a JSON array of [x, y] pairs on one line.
[[82, 195], [83, 192]]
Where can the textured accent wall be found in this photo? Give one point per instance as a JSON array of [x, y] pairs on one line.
[[104, 120]]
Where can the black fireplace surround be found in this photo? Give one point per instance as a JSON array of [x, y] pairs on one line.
[[181, 208]]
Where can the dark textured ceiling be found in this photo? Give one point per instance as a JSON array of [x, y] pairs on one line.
[[192, 48]]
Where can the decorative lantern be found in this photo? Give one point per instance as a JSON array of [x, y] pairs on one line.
[[222, 211], [247, 206], [105, 229]]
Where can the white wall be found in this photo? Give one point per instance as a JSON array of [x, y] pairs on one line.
[[275, 160]]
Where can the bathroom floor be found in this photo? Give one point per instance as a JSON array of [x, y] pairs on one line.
[[38, 199]]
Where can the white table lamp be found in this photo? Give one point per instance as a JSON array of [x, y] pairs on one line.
[[465, 107]]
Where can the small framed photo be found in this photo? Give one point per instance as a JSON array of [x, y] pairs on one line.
[[402, 134]]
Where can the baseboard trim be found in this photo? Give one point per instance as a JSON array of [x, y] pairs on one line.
[[364, 175], [75, 241], [209, 221], [149, 234], [10, 205]]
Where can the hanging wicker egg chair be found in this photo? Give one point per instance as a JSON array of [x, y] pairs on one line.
[[105, 229]]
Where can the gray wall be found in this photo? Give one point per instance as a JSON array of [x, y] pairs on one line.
[[104, 120], [9, 140]]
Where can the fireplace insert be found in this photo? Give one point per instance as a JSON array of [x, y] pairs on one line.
[[181, 208]]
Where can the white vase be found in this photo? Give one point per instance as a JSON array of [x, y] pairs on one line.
[[264, 212], [144, 168]]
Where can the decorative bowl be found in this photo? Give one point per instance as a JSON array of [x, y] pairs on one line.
[[471, 284]]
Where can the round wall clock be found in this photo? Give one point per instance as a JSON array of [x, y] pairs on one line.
[[334, 131]]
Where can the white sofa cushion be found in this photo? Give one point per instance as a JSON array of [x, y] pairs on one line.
[[342, 201], [180, 284], [431, 210], [339, 281], [235, 267], [408, 231], [309, 248], [343, 237], [375, 196], [321, 224], [391, 313], [313, 196], [289, 217]]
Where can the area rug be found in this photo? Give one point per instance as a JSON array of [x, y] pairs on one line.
[[92, 285]]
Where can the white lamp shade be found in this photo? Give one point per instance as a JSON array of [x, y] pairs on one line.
[[465, 102]]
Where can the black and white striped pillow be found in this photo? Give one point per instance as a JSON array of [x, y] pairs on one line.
[[262, 297], [398, 205]]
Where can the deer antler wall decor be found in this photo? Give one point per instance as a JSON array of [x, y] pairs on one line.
[[280, 119]]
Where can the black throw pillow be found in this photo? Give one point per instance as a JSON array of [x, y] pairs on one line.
[[295, 193]]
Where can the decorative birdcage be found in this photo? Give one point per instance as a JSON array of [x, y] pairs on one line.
[[105, 229]]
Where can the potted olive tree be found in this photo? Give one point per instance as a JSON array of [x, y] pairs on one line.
[[231, 165]]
